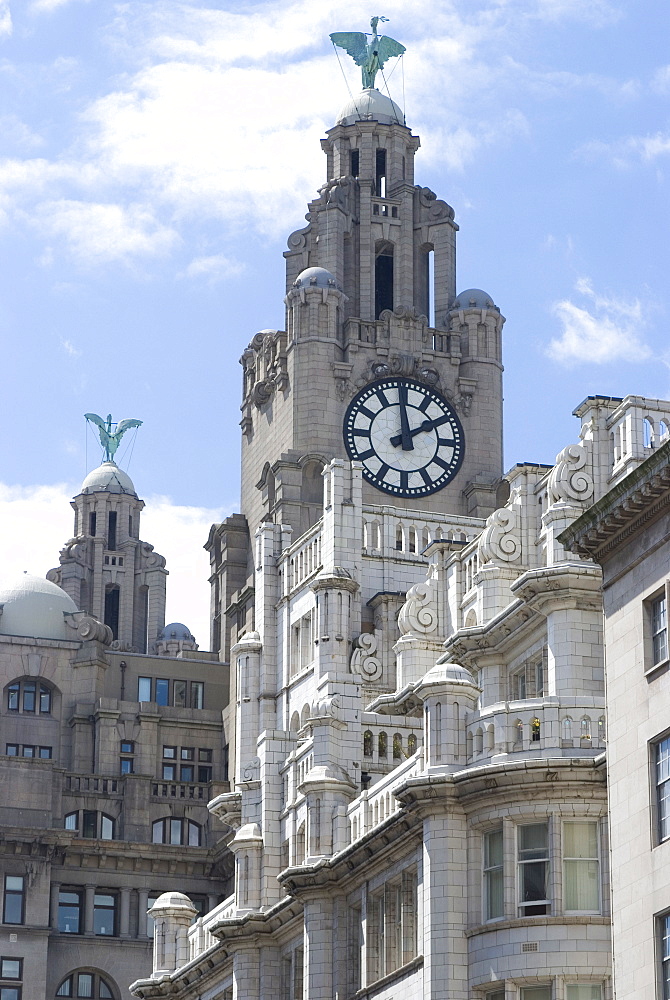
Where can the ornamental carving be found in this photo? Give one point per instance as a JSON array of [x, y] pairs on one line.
[[499, 542], [418, 614], [265, 367], [89, 628], [405, 365], [569, 480], [364, 659], [327, 708], [433, 207], [76, 550], [151, 559]]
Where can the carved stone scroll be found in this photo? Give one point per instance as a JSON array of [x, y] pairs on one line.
[[418, 614], [569, 480], [364, 660], [500, 541]]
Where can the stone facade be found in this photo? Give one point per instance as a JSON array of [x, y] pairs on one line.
[[627, 533], [107, 761], [419, 804]]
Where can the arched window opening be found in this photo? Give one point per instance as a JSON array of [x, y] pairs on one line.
[[304, 716], [411, 744], [382, 744], [367, 743], [602, 729], [647, 433], [518, 732], [397, 746], [399, 540], [177, 832], [85, 984], [479, 741], [585, 728], [112, 595], [535, 729], [295, 723], [383, 277], [412, 539], [662, 430], [111, 530], [312, 482], [354, 158], [490, 738], [426, 276], [566, 729], [29, 696], [468, 742], [380, 173]]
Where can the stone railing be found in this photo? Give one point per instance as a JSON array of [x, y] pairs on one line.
[[536, 725], [199, 936], [374, 806], [392, 533], [303, 559], [93, 784]]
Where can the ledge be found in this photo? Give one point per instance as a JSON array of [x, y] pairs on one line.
[[404, 970]]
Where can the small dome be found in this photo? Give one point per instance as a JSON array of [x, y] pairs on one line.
[[108, 478], [172, 901], [317, 277], [473, 298], [176, 631], [371, 105], [35, 607]]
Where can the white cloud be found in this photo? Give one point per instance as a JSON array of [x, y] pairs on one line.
[[38, 521], [607, 331], [46, 6], [70, 349], [14, 132], [215, 268], [660, 82], [624, 152], [97, 234], [5, 18]]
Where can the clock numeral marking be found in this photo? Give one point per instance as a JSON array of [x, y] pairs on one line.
[[367, 413], [426, 478], [426, 403], [445, 441], [361, 432], [443, 465], [379, 393], [404, 480], [383, 471], [441, 420], [367, 454]]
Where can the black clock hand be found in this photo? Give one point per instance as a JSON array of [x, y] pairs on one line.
[[427, 425], [405, 436]]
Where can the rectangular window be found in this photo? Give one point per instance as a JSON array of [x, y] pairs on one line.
[[179, 694], [111, 530], [104, 914], [169, 772], [204, 773], [126, 765], [187, 772], [528, 682], [175, 831], [205, 756], [69, 912], [29, 696], [106, 827], [11, 968], [659, 630], [662, 787], [581, 868], [665, 954], [14, 904], [91, 524], [13, 697], [10, 993], [85, 984], [162, 691], [187, 753], [392, 926], [45, 700], [28, 750], [170, 753], [72, 821], [46, 753], [144, 688], [533, 858], [90, 823], [197, 694], [12, 749], [493, 874], [584, 991], [536, 993], [127, 746]]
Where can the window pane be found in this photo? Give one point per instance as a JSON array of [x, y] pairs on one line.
[[204, 774], [187, 771], [11, 968], [103, 989], [65, 988], [84, 984], [13, 908], [69, 909], [580, 840], [126, 765], [45, 753], [28, 751], [193, 835], [169, 753], [127, 746], [169, 772], [90, 823], [45, 699], [493, 870], [29, 690], [157, 832], [175, 831], [9, 993], [533, 841], [144, 689], [12, 750], [205, 756], [187, 753], [103, 914], [584, 992], [162, 691], [71, 821], [14, 883], [197, 694], [107, 828], [13, 697], [179, 694]]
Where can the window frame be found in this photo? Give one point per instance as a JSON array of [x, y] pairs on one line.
[[79, 905], [567, 860], [488, 870], [4, 975], [650, 632], [106, 908], [522, 906], [11, 893]]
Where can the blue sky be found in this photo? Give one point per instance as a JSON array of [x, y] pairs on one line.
[[155, 156]]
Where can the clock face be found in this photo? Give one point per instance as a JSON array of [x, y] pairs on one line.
[[410, 441]]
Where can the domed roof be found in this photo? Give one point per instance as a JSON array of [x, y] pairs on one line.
[[34, 607], [317, 277], [371, 105], [108, 478], [473, 298], [171, 901], [176, 631]]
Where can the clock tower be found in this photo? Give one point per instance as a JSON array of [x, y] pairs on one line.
[[380, 361]]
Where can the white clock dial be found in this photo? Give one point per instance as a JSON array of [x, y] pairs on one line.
[[410, 441]]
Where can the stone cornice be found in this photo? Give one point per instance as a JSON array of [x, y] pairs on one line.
[[641, 497]]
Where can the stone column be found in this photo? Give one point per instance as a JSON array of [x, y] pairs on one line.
[[142, 906], [89, 893], [318, 915], [246, 974], [124, 913], [55, 890]]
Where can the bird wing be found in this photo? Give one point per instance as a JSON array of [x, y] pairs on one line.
[[388, 47], [124, 425], [95, 419], [354, 42]]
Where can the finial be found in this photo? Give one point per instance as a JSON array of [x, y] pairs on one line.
[[370, 56], [110, 440]]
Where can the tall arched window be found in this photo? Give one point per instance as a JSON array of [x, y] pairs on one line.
[[86, 984], [383, 277], [178, 832]]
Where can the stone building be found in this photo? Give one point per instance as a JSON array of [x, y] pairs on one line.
[[419, 804], [112, 744], [626, 532]]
